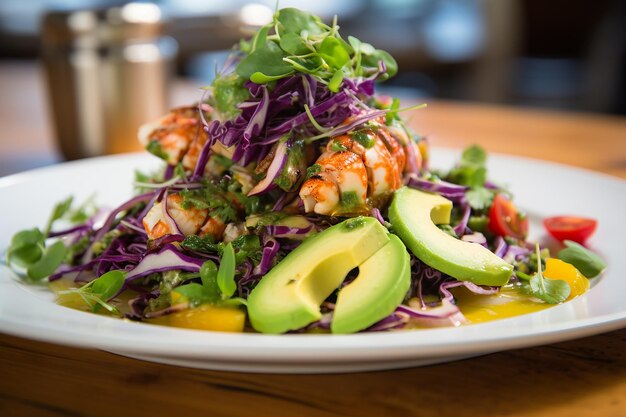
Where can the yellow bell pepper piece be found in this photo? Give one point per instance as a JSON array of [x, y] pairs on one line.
[[557, 269], [209, 317]]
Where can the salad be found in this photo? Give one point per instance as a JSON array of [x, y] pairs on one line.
[[294, 199]]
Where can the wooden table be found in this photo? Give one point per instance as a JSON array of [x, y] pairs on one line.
[[585, 377]]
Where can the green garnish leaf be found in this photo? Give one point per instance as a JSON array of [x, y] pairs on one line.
[[337, 146], [313, 170], [226, 273], [474, 155], [350, 202], [260, 78], [208, 274], [291, 175], [154, 147], [108, 284], [98, 292], [392, 114], [334, 53], [296, 21], [203, 244], [26, 247], [228, 91], [267, 60], [479, 198], [335, 81], [378, 55], [247, 247], [363, 138], [294, 44], [195, 294], [59, 210], [587, 262], [50, 260], [301, 42], [552, 291], [260, 39]]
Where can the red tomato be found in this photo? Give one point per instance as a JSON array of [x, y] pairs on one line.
[[573, 228], [505, 220]]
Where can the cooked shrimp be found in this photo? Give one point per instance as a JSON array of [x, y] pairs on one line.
[[193, 153], [174, 133], [155, 223], [188, 221], [214, 227], [320, 194], [395, 148], [340, 187], [381, 169]]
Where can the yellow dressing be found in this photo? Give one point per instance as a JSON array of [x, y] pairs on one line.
[[507, 303], [205, 317]]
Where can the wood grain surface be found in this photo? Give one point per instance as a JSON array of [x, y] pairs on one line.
[[585, 377]]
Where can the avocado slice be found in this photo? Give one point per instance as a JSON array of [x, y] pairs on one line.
[[290, 295], [414, 215], [380, 287]]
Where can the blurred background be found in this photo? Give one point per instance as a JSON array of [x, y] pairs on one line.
[[558, 54]]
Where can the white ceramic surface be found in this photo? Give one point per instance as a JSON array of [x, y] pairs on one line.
[[541, 188]]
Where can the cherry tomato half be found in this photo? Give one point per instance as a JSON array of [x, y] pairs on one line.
[[573, 228], [505, 220]]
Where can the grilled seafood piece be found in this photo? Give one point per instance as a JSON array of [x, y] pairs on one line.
[[342, 180], [169, 217], [385, 153]]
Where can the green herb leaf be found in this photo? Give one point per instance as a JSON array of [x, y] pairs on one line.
[[471, 170], [26, 247], [108, 285], [373, 58], [208, 274], [294, 44], [552, 291], [587, 262], [52, 257], [313, 170], [59, 210], [228, 91], [267, 60], [392, 114], [247, 247], [260, 78], [260, 39], [195, 294], [335, 81], [226, 272], [296, 21], [364, 138], [291, 175], [337, 146], [154, 147], [201, 244], [479, 198], [334, 53], [474, 155], [350, 202]]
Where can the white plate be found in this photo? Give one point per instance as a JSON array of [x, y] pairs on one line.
[[541, 188]]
